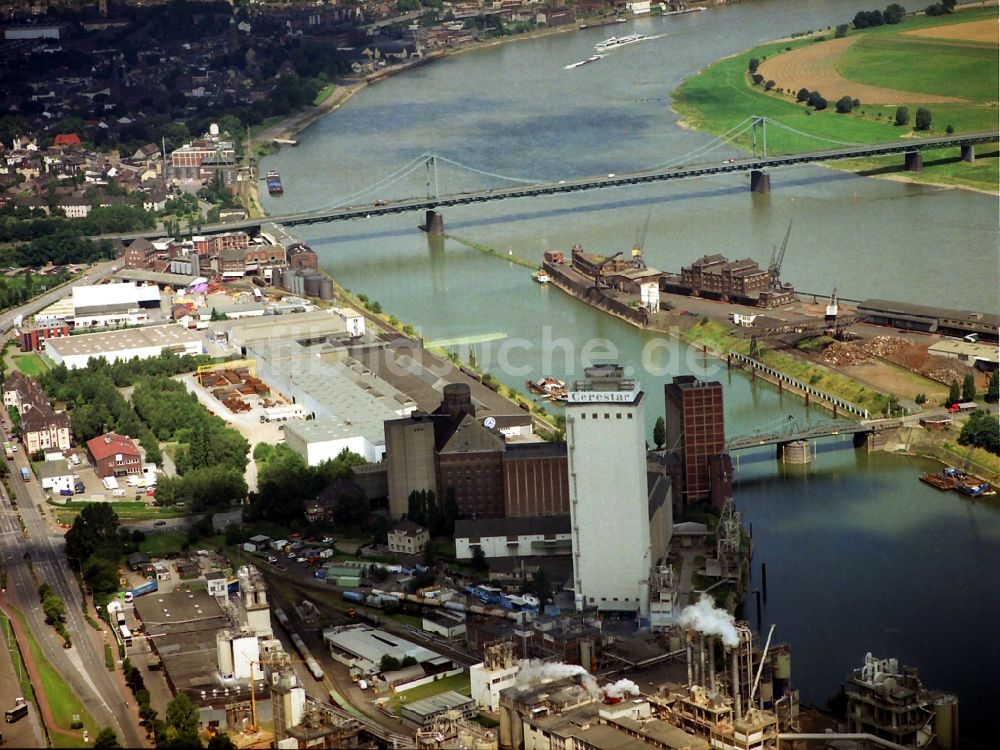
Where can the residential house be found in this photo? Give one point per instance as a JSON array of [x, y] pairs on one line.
[[408, 538], [114, 455]]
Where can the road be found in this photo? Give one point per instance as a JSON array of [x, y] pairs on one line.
[[92, 276], [82, 666]]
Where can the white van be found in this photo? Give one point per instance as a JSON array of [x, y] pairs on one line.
[[118, 493]]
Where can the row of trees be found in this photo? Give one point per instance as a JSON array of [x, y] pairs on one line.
[[967, 391], [940, 9], [96, 546], [981, 430], [175, 414], [96, 406], [285, 483], [55, 611], [893, 14], [423, 508]]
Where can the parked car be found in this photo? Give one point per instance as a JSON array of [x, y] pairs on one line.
[[161, 522]]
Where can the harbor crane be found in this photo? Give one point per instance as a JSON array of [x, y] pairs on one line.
[[637, 260], [777, 257], [597, 271]]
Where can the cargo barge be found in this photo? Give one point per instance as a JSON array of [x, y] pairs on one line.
[[958, 480], [274, 186]]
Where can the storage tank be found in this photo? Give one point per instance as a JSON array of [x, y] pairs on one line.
[[288, 279], [946, 721], [783, 666], [225, 650], [312, 285], [326, 289]]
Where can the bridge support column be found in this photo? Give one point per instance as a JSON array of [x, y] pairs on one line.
[[433, 223], [914, 162], [969, 153], [863, 440], [794, 452], [760, 181]]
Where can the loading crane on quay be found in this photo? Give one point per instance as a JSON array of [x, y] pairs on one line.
[[597, 271], [777, 258]]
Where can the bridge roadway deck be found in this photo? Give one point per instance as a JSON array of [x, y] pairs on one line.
[[591, 183], [773, 438]]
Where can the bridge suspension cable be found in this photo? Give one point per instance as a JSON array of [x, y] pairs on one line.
[[405, 171], [520, 180], [725, 139], [810, 136]]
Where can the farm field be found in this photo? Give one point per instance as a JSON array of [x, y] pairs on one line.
[[941, 57]]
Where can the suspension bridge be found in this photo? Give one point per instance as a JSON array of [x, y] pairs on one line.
[[788, 147]]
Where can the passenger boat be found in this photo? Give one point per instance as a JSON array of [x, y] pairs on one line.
[[541, 276], [273, 180], [592, 58], [619, 41]]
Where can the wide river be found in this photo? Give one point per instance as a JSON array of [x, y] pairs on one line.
[[861, 556]]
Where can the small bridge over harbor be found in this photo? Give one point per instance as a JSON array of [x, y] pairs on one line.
[[790, 431], [445, 182]]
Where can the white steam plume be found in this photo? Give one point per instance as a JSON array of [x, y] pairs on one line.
[[534, 671], [621, 688], [708, 619]]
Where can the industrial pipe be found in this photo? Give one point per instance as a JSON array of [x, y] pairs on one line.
[[711, 664], [737, 709]]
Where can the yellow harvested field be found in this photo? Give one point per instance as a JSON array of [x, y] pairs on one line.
[[814, 67], [973, 31]]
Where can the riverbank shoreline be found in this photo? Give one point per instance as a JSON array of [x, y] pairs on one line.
[[297, 123], [720, 81]]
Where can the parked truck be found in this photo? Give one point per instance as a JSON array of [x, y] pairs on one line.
[[8, 449], [145, 588], [25, 473]]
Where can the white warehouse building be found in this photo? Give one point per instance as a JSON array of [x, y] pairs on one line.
[[605, 434], [114, 346], [317, 440], [113, 304]]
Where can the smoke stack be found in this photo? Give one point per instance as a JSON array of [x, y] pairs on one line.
[[690, 660], [711, 665], [737, 709], [701, 661]]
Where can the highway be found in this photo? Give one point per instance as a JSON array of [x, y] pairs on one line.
[[82, 666]]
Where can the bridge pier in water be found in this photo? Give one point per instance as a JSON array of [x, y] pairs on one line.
[[914, 161], [433, 223], [760, 181], [968, 153], [794, 452]]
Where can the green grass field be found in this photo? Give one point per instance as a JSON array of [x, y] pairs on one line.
[[967, 72], [127, 510], [459, 683], [62, 700], [30, 364], [721, 96]]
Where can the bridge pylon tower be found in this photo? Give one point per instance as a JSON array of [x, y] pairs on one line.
[[430, 165]]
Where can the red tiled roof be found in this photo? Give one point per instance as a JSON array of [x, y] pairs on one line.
[[109, 444], [67, 139]]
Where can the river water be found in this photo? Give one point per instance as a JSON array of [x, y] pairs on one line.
[[861, 556]]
